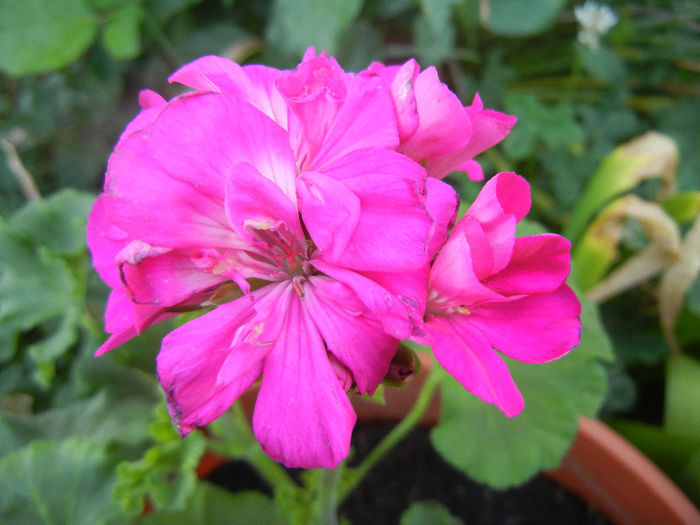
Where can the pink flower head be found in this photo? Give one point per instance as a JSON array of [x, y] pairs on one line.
[[434, 129], [284, 185], [489, 289]]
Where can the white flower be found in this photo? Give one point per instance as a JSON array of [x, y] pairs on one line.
[[595, 20]]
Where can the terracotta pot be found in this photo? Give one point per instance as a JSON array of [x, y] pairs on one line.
[[616, 478]]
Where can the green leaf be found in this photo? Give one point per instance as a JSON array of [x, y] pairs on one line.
[[518, 18], [434, 31], [107, 417], [162, 10], [298, 24], [650, 155], [506, 452], [121, 35], [211, 504], [166, 474], [57, 222], [602, 64], [422, 512], [34, 284], [555, 126], [37, 36], [683, 207], [57, 482], [682, 404]]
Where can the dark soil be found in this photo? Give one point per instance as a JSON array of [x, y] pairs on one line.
[[413, 471]]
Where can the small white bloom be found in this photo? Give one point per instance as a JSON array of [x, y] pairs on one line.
[[595, 20]]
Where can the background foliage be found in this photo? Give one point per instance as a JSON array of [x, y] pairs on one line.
[[70, 71]]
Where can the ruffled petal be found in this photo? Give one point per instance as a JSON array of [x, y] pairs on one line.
[[539, 263], [469, 358], [314, 91], [302, 417], [353, 335], [533, 329], [365, 120]]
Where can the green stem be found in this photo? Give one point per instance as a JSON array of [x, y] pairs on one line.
[[326, 503], [269, 470], [432, 381]]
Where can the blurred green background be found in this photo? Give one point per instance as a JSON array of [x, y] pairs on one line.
[[70, 72]]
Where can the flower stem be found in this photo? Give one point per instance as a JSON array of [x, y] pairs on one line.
[[432, 380], [326, 502], [269, 469]]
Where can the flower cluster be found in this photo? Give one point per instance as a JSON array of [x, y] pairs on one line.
[[305, 209]]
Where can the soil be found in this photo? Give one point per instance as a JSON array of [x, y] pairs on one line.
[[413, 471]]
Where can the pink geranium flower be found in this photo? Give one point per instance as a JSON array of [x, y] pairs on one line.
[[434, 128], [489, 289], [284, 185]]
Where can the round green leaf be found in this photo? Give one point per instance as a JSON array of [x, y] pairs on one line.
[[422, 512], [37, 36], [479, 440]]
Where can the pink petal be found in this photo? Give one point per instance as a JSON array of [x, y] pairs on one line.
[[468, 357], [314, 91], [254, 84], [390, 310], [488, 128], [504, 200], [365, 120], [125, 320], [504, 194], [353, 335], [144, 201], [443, 124], [215, 75], [330, 212], [302, 417], [474, 170], [254, 202], [534, 329], [105, 241], [410, 288], [453, 279], [441, 203], [167, 279], [190, 361], [166, 183], [198, 138], [265, 95], [393, 214], [539, 263], [403, 93]]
